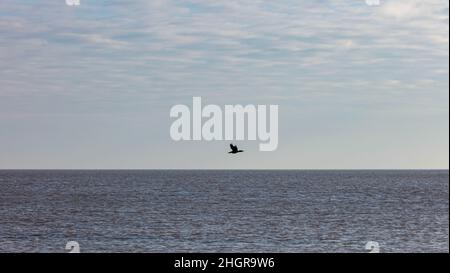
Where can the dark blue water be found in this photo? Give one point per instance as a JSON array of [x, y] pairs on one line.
[[224, 211]]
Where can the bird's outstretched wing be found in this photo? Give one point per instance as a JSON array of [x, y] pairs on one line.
[[234, 148]]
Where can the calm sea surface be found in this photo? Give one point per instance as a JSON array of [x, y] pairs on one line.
[[224, 211]]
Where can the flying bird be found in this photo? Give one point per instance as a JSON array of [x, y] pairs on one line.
[[234, 149]]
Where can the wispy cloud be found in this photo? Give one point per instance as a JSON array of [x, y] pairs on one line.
[[95, 39]]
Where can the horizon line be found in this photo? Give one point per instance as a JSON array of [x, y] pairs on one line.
[[220, 169]]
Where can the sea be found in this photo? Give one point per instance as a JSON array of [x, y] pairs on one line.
[[172, 211]]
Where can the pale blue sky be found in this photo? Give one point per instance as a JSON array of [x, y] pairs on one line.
[[91, 86]]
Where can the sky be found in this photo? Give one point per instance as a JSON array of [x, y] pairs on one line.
[[358, 86]]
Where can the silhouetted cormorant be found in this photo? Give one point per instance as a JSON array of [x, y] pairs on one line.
[[234, 149]]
